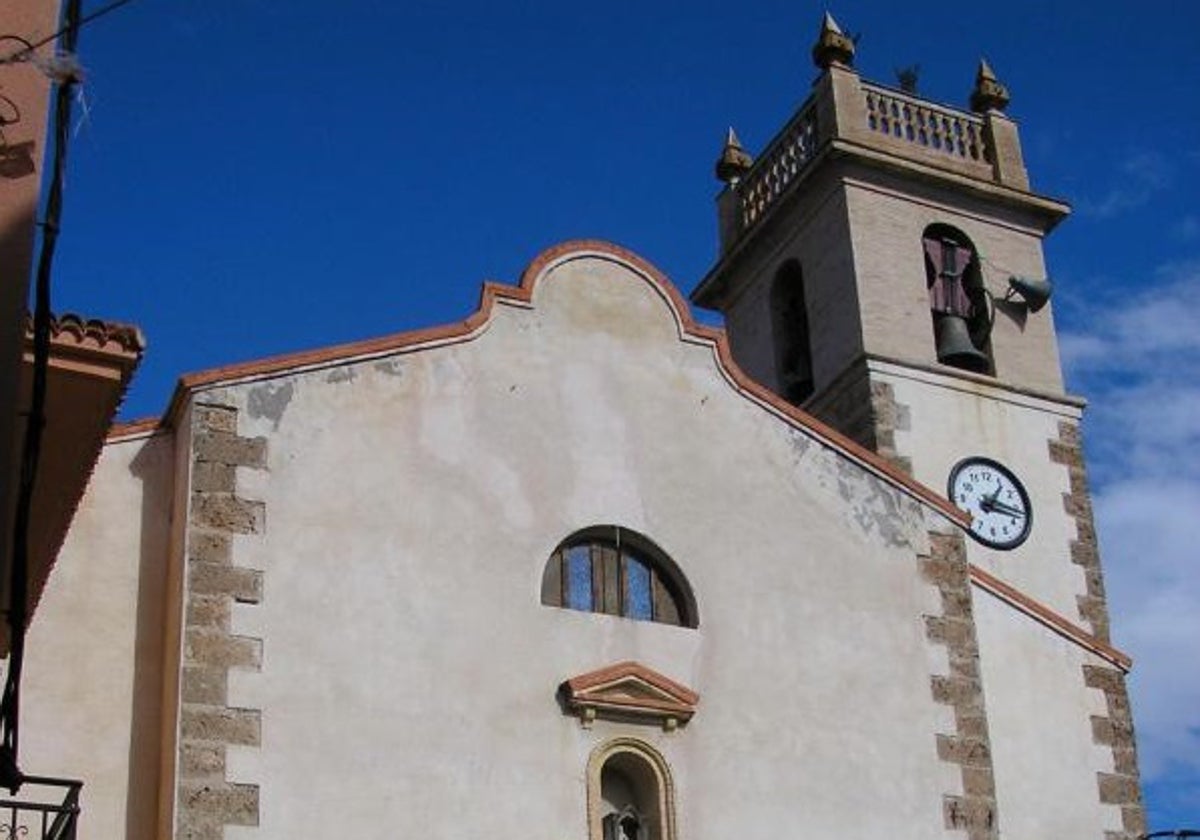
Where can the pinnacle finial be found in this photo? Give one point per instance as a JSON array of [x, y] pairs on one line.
[[989, 94], [833, 46], [734, 161]]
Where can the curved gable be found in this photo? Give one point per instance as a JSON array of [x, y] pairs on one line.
[[574, 281]]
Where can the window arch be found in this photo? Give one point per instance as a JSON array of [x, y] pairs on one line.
[[609, 569], [958, 302], [789, 327], [630, 793]]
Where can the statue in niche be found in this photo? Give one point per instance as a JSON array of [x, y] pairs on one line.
[[625, 824]]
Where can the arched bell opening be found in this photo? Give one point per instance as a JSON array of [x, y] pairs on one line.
[[791, 335], [958, 303]]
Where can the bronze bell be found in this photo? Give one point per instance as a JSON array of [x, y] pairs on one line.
[[954, 345]]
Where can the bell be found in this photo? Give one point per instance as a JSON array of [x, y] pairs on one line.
[[954, 346], [1035, 293]]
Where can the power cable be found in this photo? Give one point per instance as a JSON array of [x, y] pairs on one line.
[[67, 29], [11, 776]]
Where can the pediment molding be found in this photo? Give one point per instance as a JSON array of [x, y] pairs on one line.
[[632, 692]]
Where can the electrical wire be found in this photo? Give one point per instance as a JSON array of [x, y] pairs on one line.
[[10, 703], [67, 29]]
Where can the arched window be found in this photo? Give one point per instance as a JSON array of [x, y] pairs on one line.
[[789, 325], [630, 793], [958, 302], [609, 569]]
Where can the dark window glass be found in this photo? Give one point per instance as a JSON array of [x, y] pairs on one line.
[[579, 578], [637, 591]]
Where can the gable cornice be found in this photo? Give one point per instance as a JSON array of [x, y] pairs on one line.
[[522, 295]]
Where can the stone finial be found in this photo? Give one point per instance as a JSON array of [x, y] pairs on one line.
[[833, 46], [989, 94], [734, 161]]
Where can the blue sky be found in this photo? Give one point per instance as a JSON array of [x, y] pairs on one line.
[[253, 178]]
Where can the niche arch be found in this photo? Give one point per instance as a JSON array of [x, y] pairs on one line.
[[630, 792]]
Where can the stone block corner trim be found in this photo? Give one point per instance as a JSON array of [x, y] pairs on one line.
[[206, 800], [973, 809], [1067, 450], [1121, 788]]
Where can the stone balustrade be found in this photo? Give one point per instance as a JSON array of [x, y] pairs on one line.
[[936, 128], [871, 118], [778, 166]]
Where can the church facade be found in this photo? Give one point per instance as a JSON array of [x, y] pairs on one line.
[[580, 567]]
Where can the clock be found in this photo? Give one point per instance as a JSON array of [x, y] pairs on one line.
[[1001, 514]]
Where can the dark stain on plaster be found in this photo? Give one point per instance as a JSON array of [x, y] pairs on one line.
[[270, 400], [877, 509], [342, 374], [390, 367], [799, 443]]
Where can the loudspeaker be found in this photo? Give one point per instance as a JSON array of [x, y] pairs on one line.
[[1035, 293]]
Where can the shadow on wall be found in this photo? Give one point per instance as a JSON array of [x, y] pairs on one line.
[[152, 466]]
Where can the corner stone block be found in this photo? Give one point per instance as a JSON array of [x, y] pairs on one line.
[[227, 513], [976, 816], [1105, 679], [202, 761], [230, 726], [213, 476], [209, 547], [190, 829], [210, 612], [224, 803], [208, 686], [217, 418], [221, 650], [241, 584], [955, 691], [1118, 789], [230, 449], [967, 752]]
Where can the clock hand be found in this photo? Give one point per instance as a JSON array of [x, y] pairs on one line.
[[1003, 508]]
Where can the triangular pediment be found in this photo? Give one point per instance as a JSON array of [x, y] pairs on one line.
[[630, 690]]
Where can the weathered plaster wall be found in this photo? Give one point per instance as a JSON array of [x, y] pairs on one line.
[[91, 695], [408, 670], [1040, 711]]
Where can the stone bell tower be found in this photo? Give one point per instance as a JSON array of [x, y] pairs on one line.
[[881, 267]]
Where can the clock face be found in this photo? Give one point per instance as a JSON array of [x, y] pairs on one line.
[[999, 506]]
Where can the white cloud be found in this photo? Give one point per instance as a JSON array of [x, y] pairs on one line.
[[1137, 358], [1141, 176], [1187, 228]]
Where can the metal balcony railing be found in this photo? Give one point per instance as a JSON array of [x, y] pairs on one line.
[[48, 810]]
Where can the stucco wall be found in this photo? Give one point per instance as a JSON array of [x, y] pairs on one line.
[[408, 669], [1039, 711], [949, 418], [91, 695]]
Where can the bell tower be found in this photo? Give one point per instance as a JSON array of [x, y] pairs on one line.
[[881, 267], [879, 229]]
